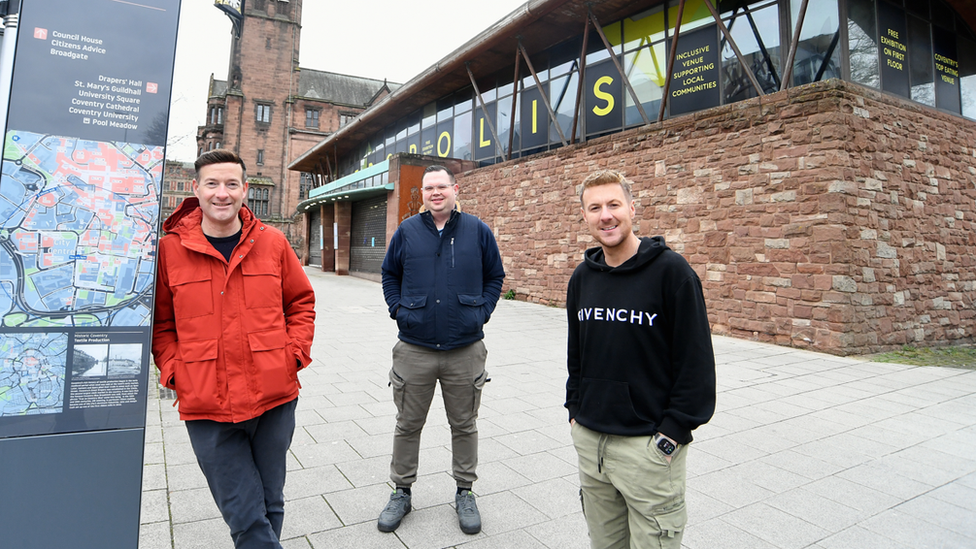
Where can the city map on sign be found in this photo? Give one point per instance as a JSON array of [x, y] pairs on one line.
[[77, 231], [32, 373]]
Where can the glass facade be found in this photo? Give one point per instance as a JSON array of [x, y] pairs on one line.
[[917, 49]]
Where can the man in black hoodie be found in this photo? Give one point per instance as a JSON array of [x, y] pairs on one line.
[[641, 373]]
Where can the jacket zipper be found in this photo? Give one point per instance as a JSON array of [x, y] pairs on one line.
[[452, 252]]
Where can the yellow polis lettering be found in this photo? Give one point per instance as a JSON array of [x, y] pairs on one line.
[[483, 142], [535, 116], [600, 94], [440, 139]]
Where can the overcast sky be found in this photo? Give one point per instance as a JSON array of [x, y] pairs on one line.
[[379, 39]]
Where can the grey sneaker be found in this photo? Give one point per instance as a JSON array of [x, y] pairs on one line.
[[469, 519], [394, 512]]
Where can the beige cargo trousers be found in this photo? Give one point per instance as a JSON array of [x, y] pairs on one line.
[[632, 496], [415, 373]]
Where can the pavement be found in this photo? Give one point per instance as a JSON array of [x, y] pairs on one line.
[[805, 450]]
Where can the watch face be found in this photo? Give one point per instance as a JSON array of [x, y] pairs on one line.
[[665, 446]]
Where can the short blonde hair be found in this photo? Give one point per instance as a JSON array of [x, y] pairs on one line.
[[606, 177]]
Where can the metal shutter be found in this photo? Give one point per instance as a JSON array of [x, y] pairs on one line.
[[368, 242]]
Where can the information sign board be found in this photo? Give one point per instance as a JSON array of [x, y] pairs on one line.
[[79, 204]]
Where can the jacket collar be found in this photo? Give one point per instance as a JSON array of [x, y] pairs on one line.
[[185, 222], [428, 219]]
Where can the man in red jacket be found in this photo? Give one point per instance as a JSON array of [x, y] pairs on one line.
[[233, 325]]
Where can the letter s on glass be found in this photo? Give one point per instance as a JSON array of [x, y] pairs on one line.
[[600, 94]]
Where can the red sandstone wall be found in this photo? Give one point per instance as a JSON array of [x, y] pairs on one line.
[[827, 216]]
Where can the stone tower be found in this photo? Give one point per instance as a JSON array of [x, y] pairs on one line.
[[262, 80]]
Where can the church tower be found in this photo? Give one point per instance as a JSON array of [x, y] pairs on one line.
[[270, 111], [262, 80]]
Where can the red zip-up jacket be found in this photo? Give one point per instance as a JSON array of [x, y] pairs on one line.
[[229, 338]]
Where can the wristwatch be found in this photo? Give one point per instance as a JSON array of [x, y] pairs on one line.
[[664, 445]]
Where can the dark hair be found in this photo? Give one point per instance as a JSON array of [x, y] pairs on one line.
[[220, 156], [439, 168], [606, 177]]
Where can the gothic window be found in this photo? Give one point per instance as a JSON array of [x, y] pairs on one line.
[[258, 201]]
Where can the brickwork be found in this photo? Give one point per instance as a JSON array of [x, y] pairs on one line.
[[826, 216], [177, 185]]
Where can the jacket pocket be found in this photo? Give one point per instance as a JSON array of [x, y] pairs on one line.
[[262, 284], [410, 314], [274, 363], [196, 376], [471, 314], [192, 291]]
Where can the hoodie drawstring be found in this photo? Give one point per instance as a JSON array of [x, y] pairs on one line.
[[601, 451]]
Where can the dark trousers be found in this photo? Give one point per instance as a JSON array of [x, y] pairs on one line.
[[245, 467]]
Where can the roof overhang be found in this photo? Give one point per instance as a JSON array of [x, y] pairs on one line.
[[339, 189], [353, 195], [539, 24]]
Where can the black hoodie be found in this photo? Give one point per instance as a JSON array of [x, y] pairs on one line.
[[640, 350]]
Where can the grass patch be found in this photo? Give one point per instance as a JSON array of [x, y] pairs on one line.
[[509, 295], [952, 357]]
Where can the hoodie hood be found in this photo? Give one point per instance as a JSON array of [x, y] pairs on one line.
[[649, 249]]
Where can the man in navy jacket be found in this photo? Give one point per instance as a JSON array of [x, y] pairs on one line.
[[442, 277]]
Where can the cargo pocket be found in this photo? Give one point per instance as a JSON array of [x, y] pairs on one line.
[[397, 383], [671, 523], [479, 387], [196, 376], [192, 292], [262, 285], [274, 362]]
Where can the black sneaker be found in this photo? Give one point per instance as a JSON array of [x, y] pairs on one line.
[[469, 519], [394, 512]]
